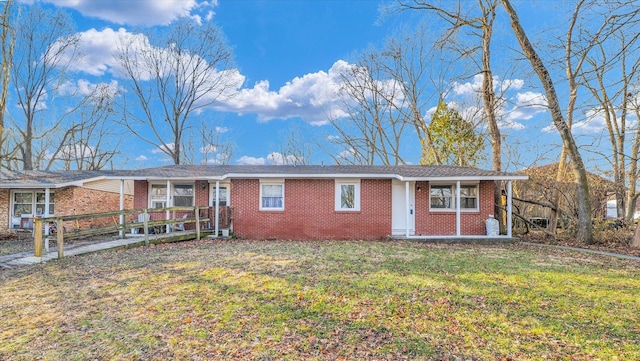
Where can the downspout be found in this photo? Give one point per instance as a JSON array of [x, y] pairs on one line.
[[217, 207], [458, 208], [406, 198], [509, 208]]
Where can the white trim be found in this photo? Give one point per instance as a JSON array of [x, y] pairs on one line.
[[457, 199], [407, 210], [338, 194], [217, 203], [271, 182], [509, 208]]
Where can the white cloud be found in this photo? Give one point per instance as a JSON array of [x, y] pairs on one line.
[[277, 158], [246, 160], [274, 158], [221, 130], [312, 97], [526, 106], [84, 87], [137, 12], [167, 148], [141, 158], [209, 148]]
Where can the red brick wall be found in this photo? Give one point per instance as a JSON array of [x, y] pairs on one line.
[[141, 192], [78, 200], [310, 211], [5, 204], [444, 223]]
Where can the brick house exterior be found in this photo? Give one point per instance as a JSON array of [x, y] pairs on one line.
[[76, 192], [308, 202], [274, 202]]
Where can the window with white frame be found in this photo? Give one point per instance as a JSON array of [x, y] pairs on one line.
[[443, 197], [32, 203], [223, 196], [347, 195], [158, 196], [183, 195], [41, 202], [272, 195], [468, 196]]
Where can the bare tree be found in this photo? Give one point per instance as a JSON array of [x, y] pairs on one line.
[[614, 103], [214, 149], [372, 131], [385, 97], [45, 46], [584, 227], [7, 36], [173, 83], [90, 142]]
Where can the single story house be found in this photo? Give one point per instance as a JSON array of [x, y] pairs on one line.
[[330, 201], [283, 202], [24, 194]]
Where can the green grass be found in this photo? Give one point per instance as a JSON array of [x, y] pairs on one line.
[[323, 300]]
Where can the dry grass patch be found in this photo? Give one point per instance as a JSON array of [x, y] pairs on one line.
[[322, 300]]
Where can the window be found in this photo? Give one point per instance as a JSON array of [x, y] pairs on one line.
[[223, 196], [468, 196], [183, 195], [41, 202], [22, 203], [32, 202], [347, 195], [443, 197], [158, 196], [272, 196]]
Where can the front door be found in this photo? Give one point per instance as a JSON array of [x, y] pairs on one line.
[[399, 208]]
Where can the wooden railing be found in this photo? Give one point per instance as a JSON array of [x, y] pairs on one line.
[[154, 220]]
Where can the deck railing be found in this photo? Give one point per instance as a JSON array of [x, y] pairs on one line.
[[147, 221]]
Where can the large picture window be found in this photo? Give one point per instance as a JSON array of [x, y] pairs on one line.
[[443, 197], [272, 196], [32, 203], [182, 195], [347, 196]]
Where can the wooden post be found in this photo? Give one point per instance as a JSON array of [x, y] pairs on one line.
[[37, 235], [60, 229], [145, 221], [197, 223]]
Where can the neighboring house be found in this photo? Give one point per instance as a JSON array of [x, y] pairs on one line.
[[536, 194], [24, 194], [330, 202]]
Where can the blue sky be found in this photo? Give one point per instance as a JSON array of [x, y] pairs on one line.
[[292, 52]]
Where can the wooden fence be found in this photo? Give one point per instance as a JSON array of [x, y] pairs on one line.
[[148, 221]]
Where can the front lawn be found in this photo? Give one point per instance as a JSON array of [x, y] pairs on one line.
[[268, 300]]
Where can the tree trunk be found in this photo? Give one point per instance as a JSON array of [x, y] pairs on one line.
[[584, 227]]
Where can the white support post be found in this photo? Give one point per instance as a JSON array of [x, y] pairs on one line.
[[217, 211], [458, 232], [47, 202], [122, 232], [168, 204], [509, 208], [407, 208]]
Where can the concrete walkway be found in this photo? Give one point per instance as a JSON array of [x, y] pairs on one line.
[[27, 258], [586, 250]]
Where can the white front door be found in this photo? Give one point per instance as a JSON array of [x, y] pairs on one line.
[[399, 208]]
